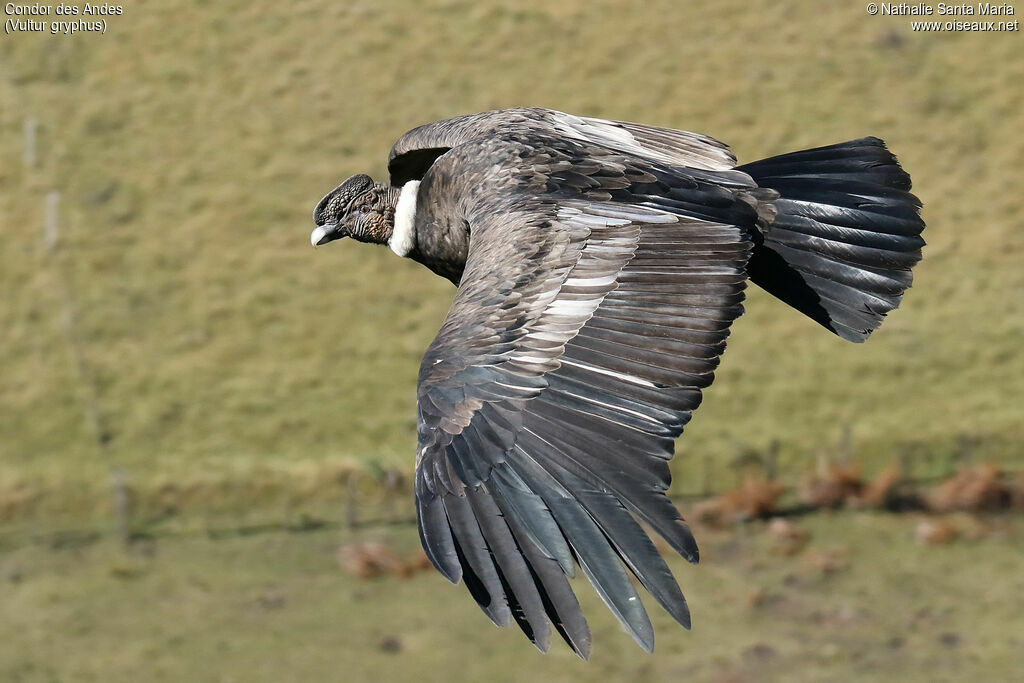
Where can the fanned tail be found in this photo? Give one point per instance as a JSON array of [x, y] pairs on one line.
[[845, 234]]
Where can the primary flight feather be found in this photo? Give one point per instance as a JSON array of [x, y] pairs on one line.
[[599, 266]]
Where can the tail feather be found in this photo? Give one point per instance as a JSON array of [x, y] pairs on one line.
[[846, 232]]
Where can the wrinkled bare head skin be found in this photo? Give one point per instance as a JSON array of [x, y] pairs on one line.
[[358, 208]]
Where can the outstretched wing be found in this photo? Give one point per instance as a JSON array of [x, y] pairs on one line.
[[415, 151], [596, 299]]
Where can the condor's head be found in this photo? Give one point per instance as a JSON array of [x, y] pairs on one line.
[[358, 208]]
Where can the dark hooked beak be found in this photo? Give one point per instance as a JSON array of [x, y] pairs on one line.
[[322, 234]]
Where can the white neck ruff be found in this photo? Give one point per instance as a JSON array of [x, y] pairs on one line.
[[403, 238]]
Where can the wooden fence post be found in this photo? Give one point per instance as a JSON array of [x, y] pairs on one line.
[[771, 461], [30, 141], [709, 476], [906, 463], [845, 446], [351, 504], [965, 444], [122, 507], [51, 223]]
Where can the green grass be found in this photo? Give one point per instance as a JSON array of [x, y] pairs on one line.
[[277, 607], [191, 141]]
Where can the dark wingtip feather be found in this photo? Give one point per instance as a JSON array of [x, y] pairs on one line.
[[516, 576], [679, 535], [436, 536], [594, 554], [478, 568]]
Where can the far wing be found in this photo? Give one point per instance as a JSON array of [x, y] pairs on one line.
[[587, 321], [664, 145], [415, 151]]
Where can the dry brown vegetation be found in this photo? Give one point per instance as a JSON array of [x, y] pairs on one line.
[[371, 559], [753, 499], [833, 485], [789, 538], [936, 531], [977, 489], [984, 488], [881, 491]]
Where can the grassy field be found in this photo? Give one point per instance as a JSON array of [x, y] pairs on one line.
[[209, 341], [181, 334], [861, 602]]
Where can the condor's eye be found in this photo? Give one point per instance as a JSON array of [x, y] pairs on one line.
[[365, 208]]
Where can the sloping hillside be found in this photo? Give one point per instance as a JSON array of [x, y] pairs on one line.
[[183, 329]]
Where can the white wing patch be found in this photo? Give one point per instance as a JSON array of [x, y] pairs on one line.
[[665, 145], [609, 246], [611, 373], [403, 239]]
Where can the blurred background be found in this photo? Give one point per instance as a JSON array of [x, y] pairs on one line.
[[207, 428]]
